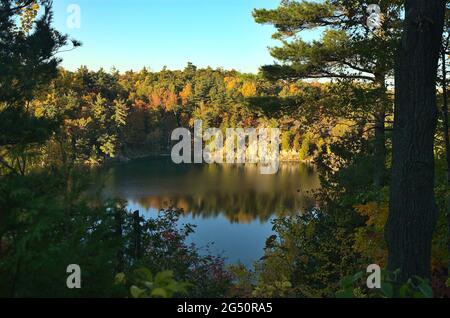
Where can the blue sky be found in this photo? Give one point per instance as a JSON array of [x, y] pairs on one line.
[[152, 33]]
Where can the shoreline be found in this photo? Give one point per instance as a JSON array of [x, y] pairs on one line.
[[129, 158]]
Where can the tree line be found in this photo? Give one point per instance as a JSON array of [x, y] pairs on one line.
[[377, 130]]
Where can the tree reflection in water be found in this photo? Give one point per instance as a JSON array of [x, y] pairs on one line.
[[238, 192]]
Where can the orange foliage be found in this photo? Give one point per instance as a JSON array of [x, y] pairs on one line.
[[170, 100], [185, 94]]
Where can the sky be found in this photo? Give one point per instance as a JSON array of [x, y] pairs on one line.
[[133, 34]]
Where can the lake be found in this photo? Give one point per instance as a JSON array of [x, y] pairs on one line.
[[231, 205]]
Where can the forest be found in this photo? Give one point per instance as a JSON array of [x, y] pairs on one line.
[[367, 107]]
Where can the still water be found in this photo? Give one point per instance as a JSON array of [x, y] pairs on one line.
[[231, 205]]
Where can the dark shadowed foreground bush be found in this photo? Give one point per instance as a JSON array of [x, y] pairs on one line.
[[46, 225]]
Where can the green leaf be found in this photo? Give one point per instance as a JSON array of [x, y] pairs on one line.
[[345, 293], [179, 288], [404, 291], [136, 292], [418, 294], [120, 278], [357, 276], [425, 290], [159, 293], [347, 281], [387, 290], [144, 274], [163, 277], [149, 285]]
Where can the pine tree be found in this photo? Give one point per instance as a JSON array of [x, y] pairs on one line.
[[348, 50], [28, 45]]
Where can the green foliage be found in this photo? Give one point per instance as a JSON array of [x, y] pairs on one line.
[[304, 149], [44, 228], [20, 128], [28, 45], [250, 284], [354, 286], [48, 223], [345, 50], [110, 115], [286, 141], [306, 258], [167, 250], [28, 58], [144, 285], [54, 120]]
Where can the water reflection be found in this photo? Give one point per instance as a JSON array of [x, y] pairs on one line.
[[237, 192], [231, 205]]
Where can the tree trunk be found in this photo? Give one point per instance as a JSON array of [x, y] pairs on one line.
[[137, 229], [413, 212], [445, 113], [380, 150], [446, 137], [119, 220]]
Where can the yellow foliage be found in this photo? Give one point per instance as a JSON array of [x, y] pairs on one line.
[[28, 15], [39, 106], [231, 82], [79, 123], [377, 215], [248, 89], [369, 240], [293, 89], [342, 127]]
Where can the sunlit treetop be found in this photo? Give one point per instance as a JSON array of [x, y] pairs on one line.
[[347, 48]]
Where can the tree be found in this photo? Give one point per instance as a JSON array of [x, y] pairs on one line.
[[445, 51], [413, 212], [349, 50], [28, 58], [28, 63]]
